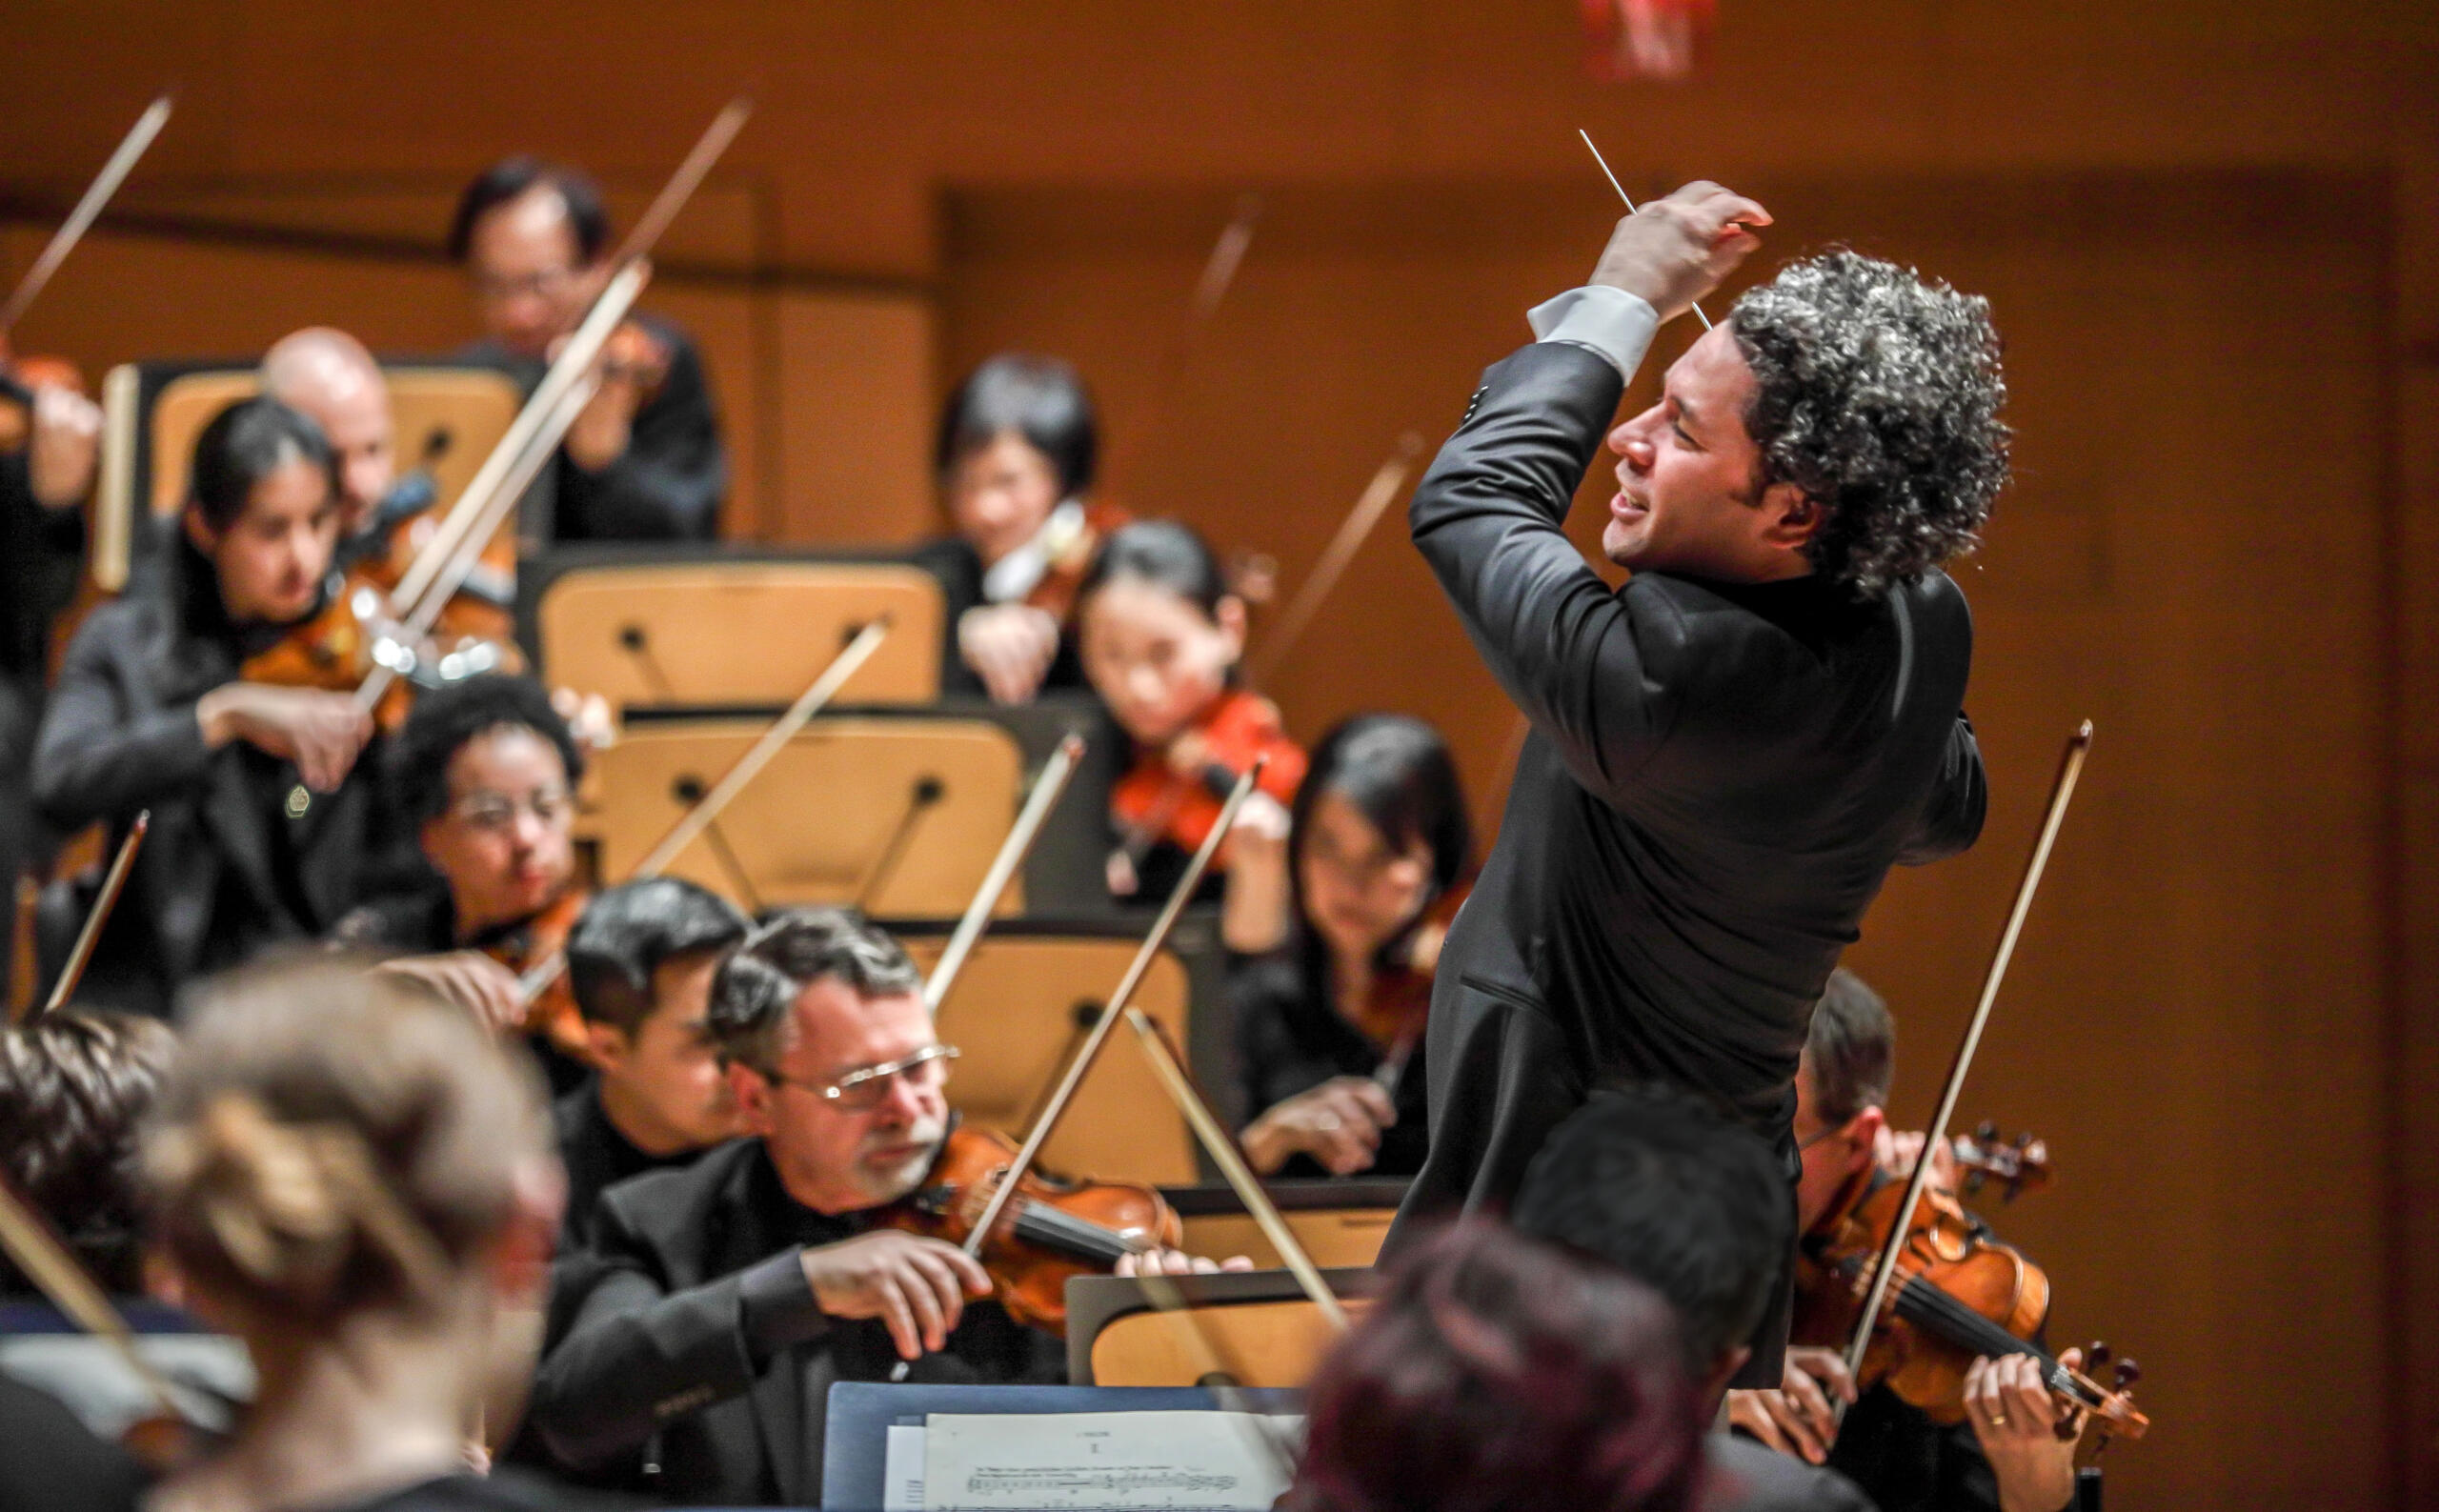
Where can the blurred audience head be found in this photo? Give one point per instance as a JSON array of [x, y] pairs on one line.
[[74, 1088], [1498, 1372]]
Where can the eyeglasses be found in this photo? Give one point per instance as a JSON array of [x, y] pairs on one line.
[[862, 1090], [499, 289], [494, 813]]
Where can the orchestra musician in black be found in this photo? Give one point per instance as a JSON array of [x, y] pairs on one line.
[[644, 461]]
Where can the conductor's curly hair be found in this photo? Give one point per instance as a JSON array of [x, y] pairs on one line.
[[1876, 392]]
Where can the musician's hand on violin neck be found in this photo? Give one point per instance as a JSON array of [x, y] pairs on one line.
[[472, 981], [915, 1285], [1673, 251], [1801, 1417], [2016, 1420], [65, 448], [1896, 1152], [322, 733], [1337, 1123], [1010, 647]]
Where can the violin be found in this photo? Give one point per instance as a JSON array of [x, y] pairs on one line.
[[1070, 552], [1155, 802], [1397, 1008], [1959, 1295], [637, 356], [536, 952], [1053, 1228]]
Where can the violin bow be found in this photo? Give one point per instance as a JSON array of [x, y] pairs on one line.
[[88, 208], [546, 413], [694, 820], [1630, 206], [1012, 851], [1210, 291], [47, 1263], [2070, 767], [113, 882], [1352, 532]]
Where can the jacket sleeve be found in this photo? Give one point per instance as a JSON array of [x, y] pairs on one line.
[[1951, 818], [637, 1355], [668, 484], [99, 756], [1577, 657]]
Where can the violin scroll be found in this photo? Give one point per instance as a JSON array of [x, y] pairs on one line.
[[2018, 1166]]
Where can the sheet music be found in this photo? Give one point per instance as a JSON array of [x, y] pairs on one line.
[[1190, 1462], [902, 1469]]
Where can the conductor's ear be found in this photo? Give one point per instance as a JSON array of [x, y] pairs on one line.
[[1790, 517]]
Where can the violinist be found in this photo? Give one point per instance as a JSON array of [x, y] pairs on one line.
[[483, 774], [152, 710], [719, 1302], [644, 461], [328, 376], [1329, 1019], [2006, 1453], [1016, 456], [641, 962], [42, 533], [1730, 752], [1163, 634], [1658, 1184]]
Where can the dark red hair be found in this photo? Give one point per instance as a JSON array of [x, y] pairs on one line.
[[1499, 1372]]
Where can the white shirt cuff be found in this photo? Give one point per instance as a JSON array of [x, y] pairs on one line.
[[1611, 322]]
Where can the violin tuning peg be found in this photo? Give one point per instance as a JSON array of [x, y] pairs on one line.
[[2096, 1356], [1985, 1132], [2127, 1373]]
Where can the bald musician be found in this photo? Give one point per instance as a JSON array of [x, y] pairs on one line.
[[643, 461], [1728, 753], [718, 1304], [328, 376]]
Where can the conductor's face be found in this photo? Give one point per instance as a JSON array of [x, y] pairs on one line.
[[873, 1143], [1689, 499]]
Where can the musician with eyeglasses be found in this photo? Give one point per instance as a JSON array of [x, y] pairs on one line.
[[483, 774], [644, 461], [717, 1304]]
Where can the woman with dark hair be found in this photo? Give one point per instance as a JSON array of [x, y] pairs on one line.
[[1495, 1372], [1015, 460], [1377, 856], [151, 710], [483, 774], [1162, 632]]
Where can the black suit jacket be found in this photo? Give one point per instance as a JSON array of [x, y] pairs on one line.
[[669, 1356], [667, 486], [1718, 779], [1745, 1477], [225, 872]]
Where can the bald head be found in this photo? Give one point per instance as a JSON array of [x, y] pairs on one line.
[[331, 377]]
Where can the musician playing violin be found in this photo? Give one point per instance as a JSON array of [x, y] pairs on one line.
[[2006, 1454], [719, 1302], [1163, 636], [644, 461], [329, 377], [264, 825], [484, 774], [1334, 928], [1016, 456], [42, 481]]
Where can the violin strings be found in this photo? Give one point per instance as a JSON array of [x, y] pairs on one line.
[[1933, 1306]]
